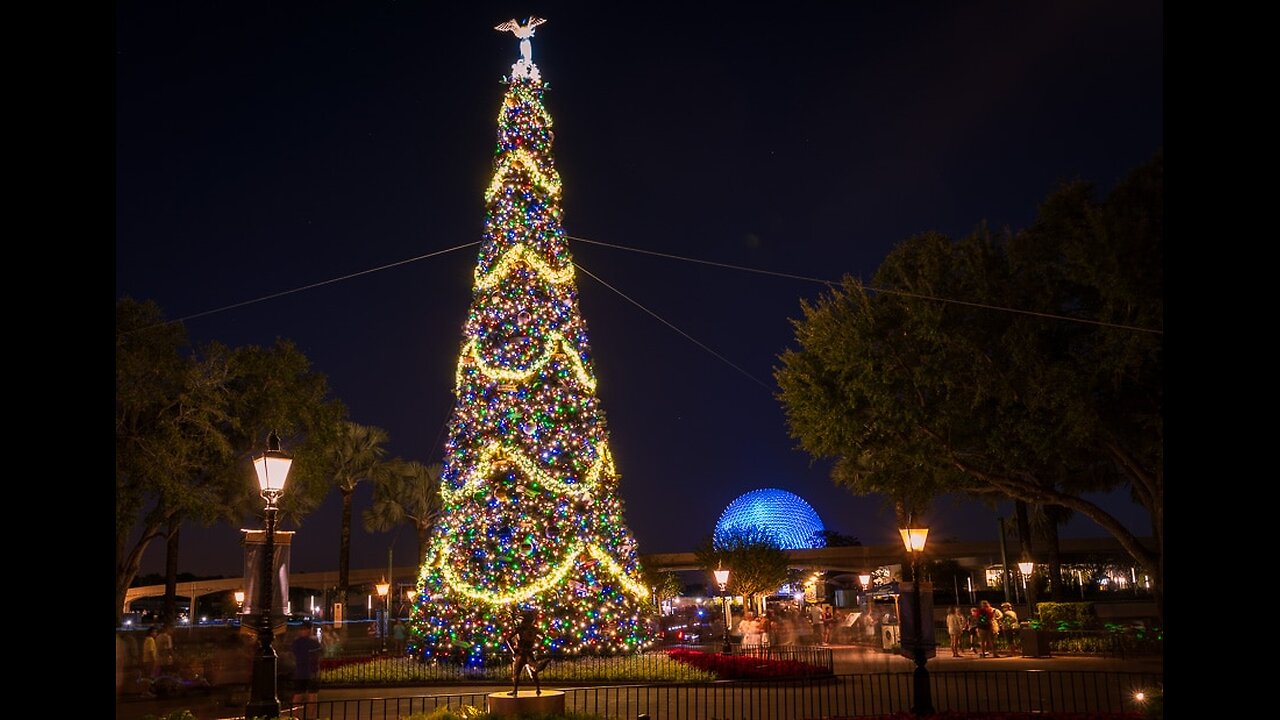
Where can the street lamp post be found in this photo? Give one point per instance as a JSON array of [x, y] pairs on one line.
[[1028, 569], [913, 539], [272, 468], [722, 579], [384, 588]]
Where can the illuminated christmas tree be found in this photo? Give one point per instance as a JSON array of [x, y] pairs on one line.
[[531, 517]]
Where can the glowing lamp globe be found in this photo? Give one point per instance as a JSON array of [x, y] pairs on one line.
[[913, 538], [785, 515], [722, 577], [272, 468]]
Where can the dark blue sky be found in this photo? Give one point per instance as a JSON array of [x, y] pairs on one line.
[[267, 146]]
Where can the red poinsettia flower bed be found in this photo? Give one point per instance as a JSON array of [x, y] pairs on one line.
[[746, 667]]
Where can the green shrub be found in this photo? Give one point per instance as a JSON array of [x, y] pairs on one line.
[[1065, 616]]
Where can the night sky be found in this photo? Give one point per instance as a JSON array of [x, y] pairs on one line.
[[263, 147]]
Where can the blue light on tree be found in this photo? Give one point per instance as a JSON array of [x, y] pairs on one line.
[[791, 520]]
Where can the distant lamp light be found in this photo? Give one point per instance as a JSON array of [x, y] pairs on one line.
[[1140, 696], [411, 594], [1026, 567], [913, 538], [383, 588], [865, 580], [239, 596], [722, 578]]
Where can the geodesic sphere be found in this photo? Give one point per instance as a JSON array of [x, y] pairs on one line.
[[790, 519]]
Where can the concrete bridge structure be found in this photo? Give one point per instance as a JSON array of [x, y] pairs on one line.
[[852, 559]]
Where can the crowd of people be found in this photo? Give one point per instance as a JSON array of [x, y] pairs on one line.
[[817, 624], [985, 628]]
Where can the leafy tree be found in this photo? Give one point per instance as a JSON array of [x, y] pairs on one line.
[[756, 562], [186, 424], [663, 584], [356, 454], [407, 492], [831, 538], [915, 397]]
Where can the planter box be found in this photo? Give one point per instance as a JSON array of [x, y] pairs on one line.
[[1035, 643]]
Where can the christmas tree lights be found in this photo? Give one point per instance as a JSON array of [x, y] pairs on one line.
[[531, 517]]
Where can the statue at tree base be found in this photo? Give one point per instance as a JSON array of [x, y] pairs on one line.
[[524, 652]]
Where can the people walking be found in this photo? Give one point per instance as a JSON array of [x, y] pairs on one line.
[[164, 650], [306, 657], [750, 630], [1009, 628], [150, 655], [816, 623], [986, 629], [956, 626]]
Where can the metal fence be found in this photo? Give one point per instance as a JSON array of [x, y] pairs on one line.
[[840, 696], [658, 666]]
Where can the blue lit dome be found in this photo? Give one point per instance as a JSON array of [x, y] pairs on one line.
[[790, 519]]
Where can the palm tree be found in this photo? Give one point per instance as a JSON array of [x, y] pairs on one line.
[[355, 455], [408, 492]]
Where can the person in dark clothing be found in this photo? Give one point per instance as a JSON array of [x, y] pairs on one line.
[[306, 656]]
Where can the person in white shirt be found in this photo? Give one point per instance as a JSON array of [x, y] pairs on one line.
[[750, 630]]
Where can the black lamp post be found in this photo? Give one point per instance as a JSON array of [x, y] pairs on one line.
[[272, 468], [722, 579], [913, 539]]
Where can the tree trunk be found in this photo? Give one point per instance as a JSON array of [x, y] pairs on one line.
[[344, 549], [169, 611], [127, 563], [424, 538], [1024, 539], [1054, 557], [1153, 560]]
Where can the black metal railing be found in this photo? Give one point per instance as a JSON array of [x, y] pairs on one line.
[[839, 696]]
